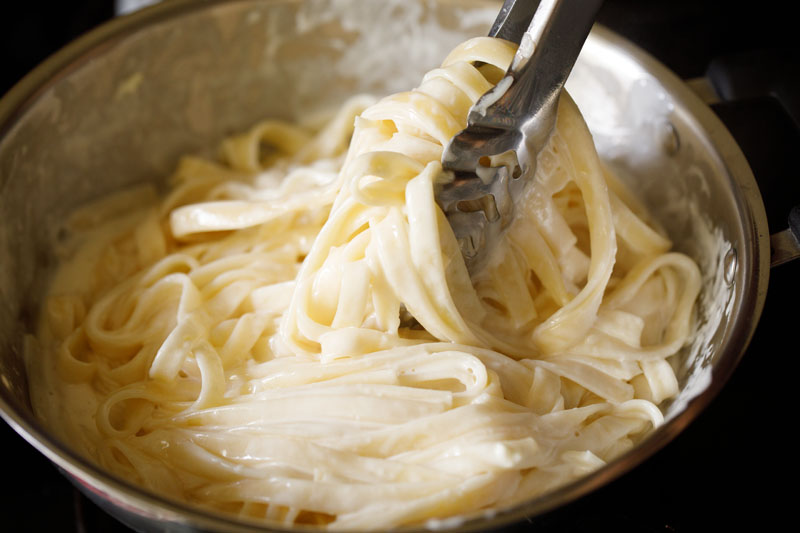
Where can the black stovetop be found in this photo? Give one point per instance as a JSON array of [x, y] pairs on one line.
[[731, 469]]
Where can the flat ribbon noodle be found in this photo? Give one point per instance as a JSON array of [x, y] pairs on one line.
[[247, 343]]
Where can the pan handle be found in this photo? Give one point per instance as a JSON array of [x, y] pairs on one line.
[[786, 244], [751, 91]]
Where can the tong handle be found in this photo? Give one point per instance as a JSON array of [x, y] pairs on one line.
[[547, 52], [514, 18]]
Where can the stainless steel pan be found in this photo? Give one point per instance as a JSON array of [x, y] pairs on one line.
[[119, 105]]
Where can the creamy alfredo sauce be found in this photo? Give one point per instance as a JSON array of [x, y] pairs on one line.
[[240, 343]]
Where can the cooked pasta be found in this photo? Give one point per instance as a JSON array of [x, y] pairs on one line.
[[292, 335]]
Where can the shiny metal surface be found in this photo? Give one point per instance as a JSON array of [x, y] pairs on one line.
[[514, 18], [785, 247], [494, 158], [81, 125]]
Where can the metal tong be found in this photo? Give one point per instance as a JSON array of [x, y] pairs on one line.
[[494, 158]]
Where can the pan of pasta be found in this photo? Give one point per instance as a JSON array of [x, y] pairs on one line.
[[231, 302]]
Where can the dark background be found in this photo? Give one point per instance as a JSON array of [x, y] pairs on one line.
[[734, 468]]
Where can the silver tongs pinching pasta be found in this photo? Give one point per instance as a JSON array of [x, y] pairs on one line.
[[494, 158]]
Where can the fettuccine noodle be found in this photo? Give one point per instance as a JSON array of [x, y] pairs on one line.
[[293, 335]]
